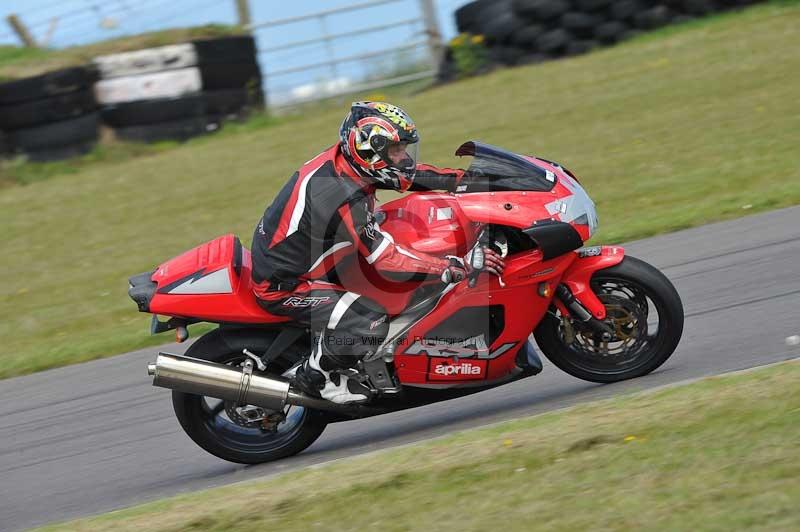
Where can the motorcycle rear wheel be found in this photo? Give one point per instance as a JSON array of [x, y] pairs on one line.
[[215, 425], [646, 313]]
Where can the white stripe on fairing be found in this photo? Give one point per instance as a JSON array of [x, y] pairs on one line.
[[217, 282], [332, 250], [384, 233], [406, 253], [380, 249], [341, 307], [300, 205]]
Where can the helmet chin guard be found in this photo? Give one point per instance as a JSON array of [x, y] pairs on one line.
[[380, 140]]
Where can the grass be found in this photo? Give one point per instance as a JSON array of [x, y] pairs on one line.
[[718, 454], [19, 171], [666, 133], [19, 62]]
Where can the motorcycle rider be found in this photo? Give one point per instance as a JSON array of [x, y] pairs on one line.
[[321, 218]]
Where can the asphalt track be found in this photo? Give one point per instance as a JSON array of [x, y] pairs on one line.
[[94, 437]]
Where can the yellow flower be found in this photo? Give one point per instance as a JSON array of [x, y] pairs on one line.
[[477, 39], [630, 438]]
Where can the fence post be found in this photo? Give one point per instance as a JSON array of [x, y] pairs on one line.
[[21, 31], [435, 47], [243, 12]]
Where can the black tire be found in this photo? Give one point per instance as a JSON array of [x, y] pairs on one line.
[[610, 32], [56, 134], [540, 10], [53, 83], [579, 21], [653, 18], [54, 109], [180, 130], [231, 76], [698, 8], [231, 104], [648, 352], [592, 5], [580, 47], [501, 29], [153, 111], [239, 49], [526, 37], [468, 15], [733, 4], [624, 10], [491, 12], [226, 101], [230, 441], [553, 41], [580, 24]]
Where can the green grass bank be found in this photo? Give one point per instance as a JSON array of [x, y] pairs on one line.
[[691, 125], [717, 454]]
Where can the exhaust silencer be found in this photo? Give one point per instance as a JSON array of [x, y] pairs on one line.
[[201, 377]]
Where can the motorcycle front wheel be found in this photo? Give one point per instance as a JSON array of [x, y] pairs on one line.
[[243, 433], [645, 312]]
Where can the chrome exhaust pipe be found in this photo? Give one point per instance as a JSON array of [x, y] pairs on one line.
[[231, 383], [201, 377]]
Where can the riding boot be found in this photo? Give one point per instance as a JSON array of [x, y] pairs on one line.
[[319, 377]]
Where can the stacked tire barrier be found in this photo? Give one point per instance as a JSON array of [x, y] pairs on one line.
[[528, 31], [49, 117], [166, 93], [179, 91]]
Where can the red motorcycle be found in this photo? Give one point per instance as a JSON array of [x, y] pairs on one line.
[[595, 313]]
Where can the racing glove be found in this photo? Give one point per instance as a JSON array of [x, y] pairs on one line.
[[479, 258]]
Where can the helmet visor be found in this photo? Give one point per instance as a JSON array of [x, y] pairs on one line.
[[401, 156]]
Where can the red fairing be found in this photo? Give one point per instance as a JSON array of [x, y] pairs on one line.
[[515, 209], [418, 359], [202, 283], [579, 274], [432, 223]]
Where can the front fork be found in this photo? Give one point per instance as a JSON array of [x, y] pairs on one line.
[[565, 300], [574, 295]]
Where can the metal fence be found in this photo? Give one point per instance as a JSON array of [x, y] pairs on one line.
[[413, 35], [351, 49]]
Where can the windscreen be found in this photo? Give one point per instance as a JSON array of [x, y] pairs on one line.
[[495, 169]]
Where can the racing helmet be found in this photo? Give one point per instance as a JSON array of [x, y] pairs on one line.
[[381, 142]]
